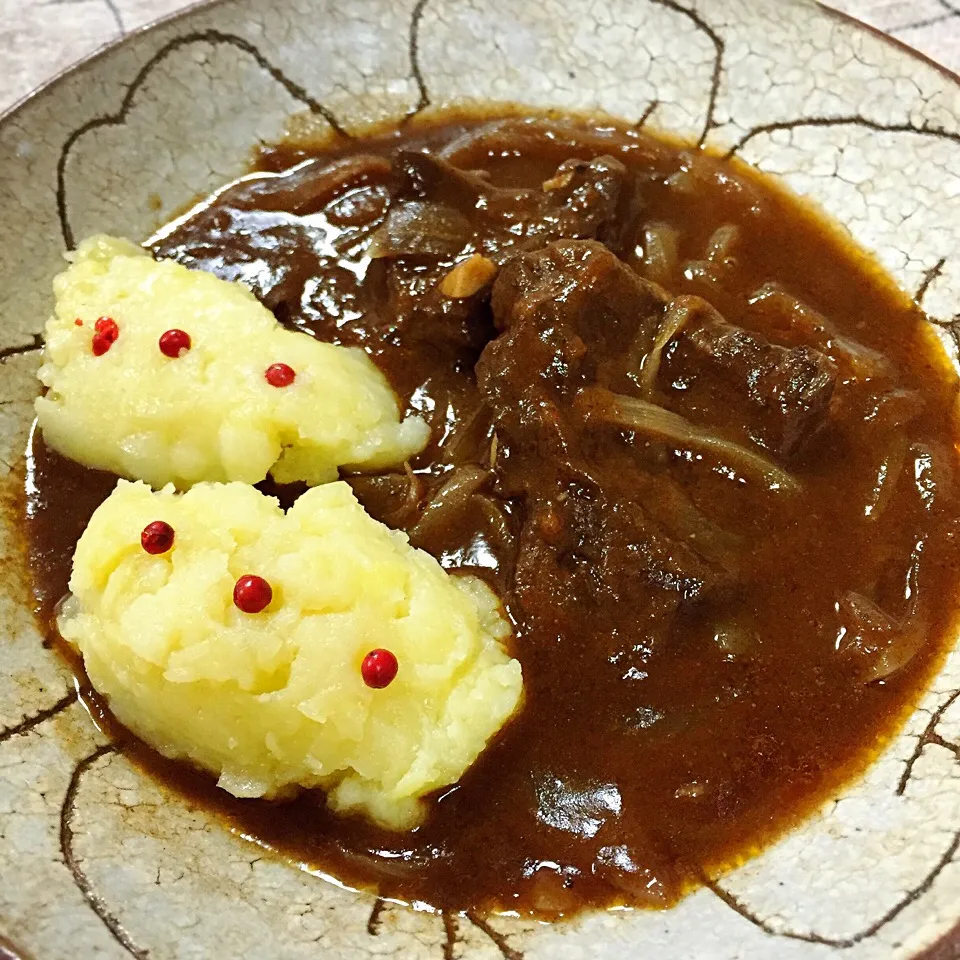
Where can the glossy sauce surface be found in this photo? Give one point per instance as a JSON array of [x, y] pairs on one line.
[[711, 644]]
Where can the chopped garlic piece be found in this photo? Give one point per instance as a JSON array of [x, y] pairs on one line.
[[468, 277]]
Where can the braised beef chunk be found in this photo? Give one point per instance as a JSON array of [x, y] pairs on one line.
[[571, 314], [443, 211], [704, 456], [609, 553], [560, 141], [792, 385], [291, 238], [418, 312]]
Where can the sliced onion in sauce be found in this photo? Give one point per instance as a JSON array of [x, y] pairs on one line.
[[683, 521], [655, 421], [886, 480], [456, 492], [623, 870], [932, 473], [497, 522], [659, 253], [883, 644], [470, 433], [392, 498], [861, 360], [67, 608], [674, 320], [421, 228], [722, 242]]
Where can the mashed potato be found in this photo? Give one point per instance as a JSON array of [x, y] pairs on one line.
[[208, 414], [272, 700]]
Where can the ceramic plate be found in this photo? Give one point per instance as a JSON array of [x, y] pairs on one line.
[[98, 861]]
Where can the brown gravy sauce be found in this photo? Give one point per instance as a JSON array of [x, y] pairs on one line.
[[658, 743]]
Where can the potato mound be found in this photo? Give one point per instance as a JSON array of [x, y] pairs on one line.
[[208, 414], [273, 700]]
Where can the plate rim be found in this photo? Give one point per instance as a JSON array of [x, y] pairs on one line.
[[947, 946], [104, 50]]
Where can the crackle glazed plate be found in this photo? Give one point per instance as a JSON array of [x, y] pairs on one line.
[[98, 860]]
